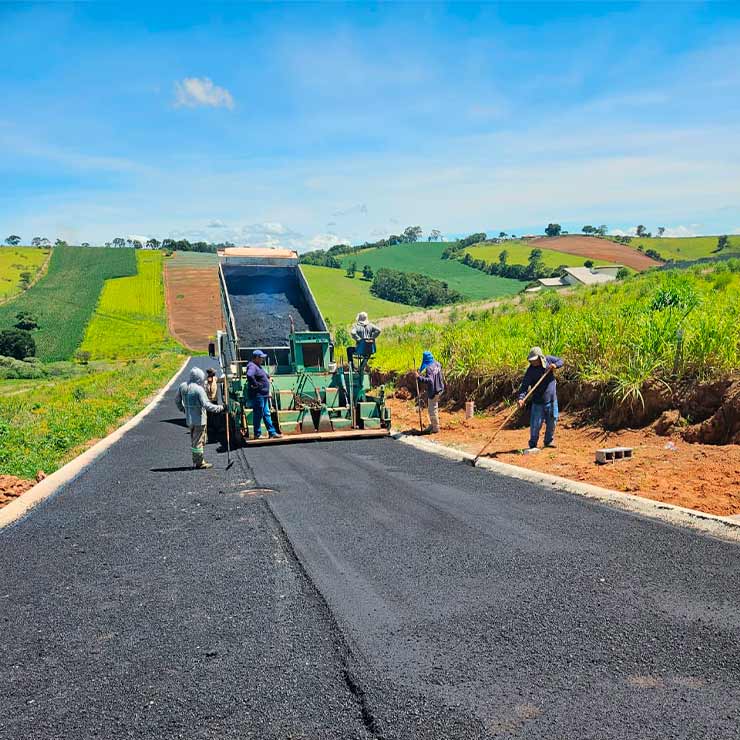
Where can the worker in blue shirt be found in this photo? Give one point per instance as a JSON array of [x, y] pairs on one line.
[[258, 391], [544, 399]]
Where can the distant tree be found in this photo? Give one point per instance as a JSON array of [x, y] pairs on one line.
[[434, 235], [82, 356], [119, 242], [502, 235], [641, 231], [722, 243], [136, 244], [588, 230], [13, 240], [36, 241], [412, 233], [535, 264], [367, 272], [26, 320], [168, 244], [60, 243], [503, 256], [601, 231], [351, 269], [588, 263], [553, 230], [17, 343], [152, 244], [45, 242], [654, 254], [85, 244], [622, 273], [661, 230]]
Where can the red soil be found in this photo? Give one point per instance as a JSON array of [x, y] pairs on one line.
[[193, 307], [12, 487], [697, 476], [597, 249]]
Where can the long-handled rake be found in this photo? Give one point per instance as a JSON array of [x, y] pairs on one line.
[[418, 395], [509, 416]]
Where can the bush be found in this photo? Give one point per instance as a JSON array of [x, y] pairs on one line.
[[412, 289], [26, 320], [17, 343]]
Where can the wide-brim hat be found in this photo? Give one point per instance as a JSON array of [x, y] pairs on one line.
[[536, 353]]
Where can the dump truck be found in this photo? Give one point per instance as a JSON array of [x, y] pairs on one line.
[[267, 304]]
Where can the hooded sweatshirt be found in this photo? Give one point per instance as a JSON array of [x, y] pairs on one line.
[[434, 378], [192, 399]]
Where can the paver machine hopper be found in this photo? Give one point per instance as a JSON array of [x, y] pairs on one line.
[[267, 304]]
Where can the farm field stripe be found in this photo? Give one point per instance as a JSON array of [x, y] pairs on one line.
[[49, 485]]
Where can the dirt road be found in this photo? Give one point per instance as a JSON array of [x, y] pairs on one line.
[[377, 591]]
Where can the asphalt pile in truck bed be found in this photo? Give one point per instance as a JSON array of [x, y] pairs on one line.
[[263, 302]]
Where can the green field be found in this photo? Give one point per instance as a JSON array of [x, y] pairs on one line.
[[519, 255], [44, 425], [14, 261], [130, 319], [685, 248], [193, 259], [64, 299], [341, 298], [426, 258]]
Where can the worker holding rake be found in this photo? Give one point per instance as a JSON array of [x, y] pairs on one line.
[[544, 398], [191, 398], [430, 374]]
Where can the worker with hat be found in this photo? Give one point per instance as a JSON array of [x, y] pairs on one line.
[[544, 399], [258, 392], [364, 333], [191, 398], [431, 375]]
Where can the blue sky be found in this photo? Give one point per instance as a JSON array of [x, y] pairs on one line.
[[310, 124]]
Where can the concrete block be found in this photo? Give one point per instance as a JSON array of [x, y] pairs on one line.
[[612, 454]]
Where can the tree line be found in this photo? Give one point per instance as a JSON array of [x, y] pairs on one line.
[[412, 289]]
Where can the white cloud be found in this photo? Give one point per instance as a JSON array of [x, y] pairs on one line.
[[193, 92], [621, 232], [690, 230]]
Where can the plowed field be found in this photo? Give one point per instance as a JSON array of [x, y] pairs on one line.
[[596, 249], [192, 302]]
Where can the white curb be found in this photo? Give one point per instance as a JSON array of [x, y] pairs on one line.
[[726, 527], [49, 485]]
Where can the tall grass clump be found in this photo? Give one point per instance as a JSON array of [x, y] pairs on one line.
[[660, 326]]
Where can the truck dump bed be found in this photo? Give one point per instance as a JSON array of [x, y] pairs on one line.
[[263, 299]]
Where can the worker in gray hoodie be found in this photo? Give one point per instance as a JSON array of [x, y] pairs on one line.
[[191, 398]]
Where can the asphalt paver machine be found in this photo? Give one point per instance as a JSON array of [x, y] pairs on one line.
[[267, 304]]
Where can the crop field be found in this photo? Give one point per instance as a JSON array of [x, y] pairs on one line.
[[43, 436], [518, 254], [341, 298], [129, 320], [13, 262], [65, 298], [426, 259], [594, 248], [685, 248], [619, 335]]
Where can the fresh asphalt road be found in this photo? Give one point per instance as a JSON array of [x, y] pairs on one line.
[[373, 591]]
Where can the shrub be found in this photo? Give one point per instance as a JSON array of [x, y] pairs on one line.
[[17, 343], [412, 289]]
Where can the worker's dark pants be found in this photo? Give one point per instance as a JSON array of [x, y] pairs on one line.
[[215, 426], [261, 408], [539, 413]]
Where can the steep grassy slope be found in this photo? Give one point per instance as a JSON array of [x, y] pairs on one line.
[[130, 320], [65, 298], [13, 262], [341, 298], [425, 258]]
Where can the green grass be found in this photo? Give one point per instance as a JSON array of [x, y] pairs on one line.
[[64, 299], [130, 319], [14, 261], [44, 426], [685, 248], [519, 255], [192, 259], [425, 258], [619, 335], [341, 298]]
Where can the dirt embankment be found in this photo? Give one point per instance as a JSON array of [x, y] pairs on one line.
[[707, 413], [12, 487], [596, 249]]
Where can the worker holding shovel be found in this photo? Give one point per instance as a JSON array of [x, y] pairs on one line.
[[544, 398], [431, 375]]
